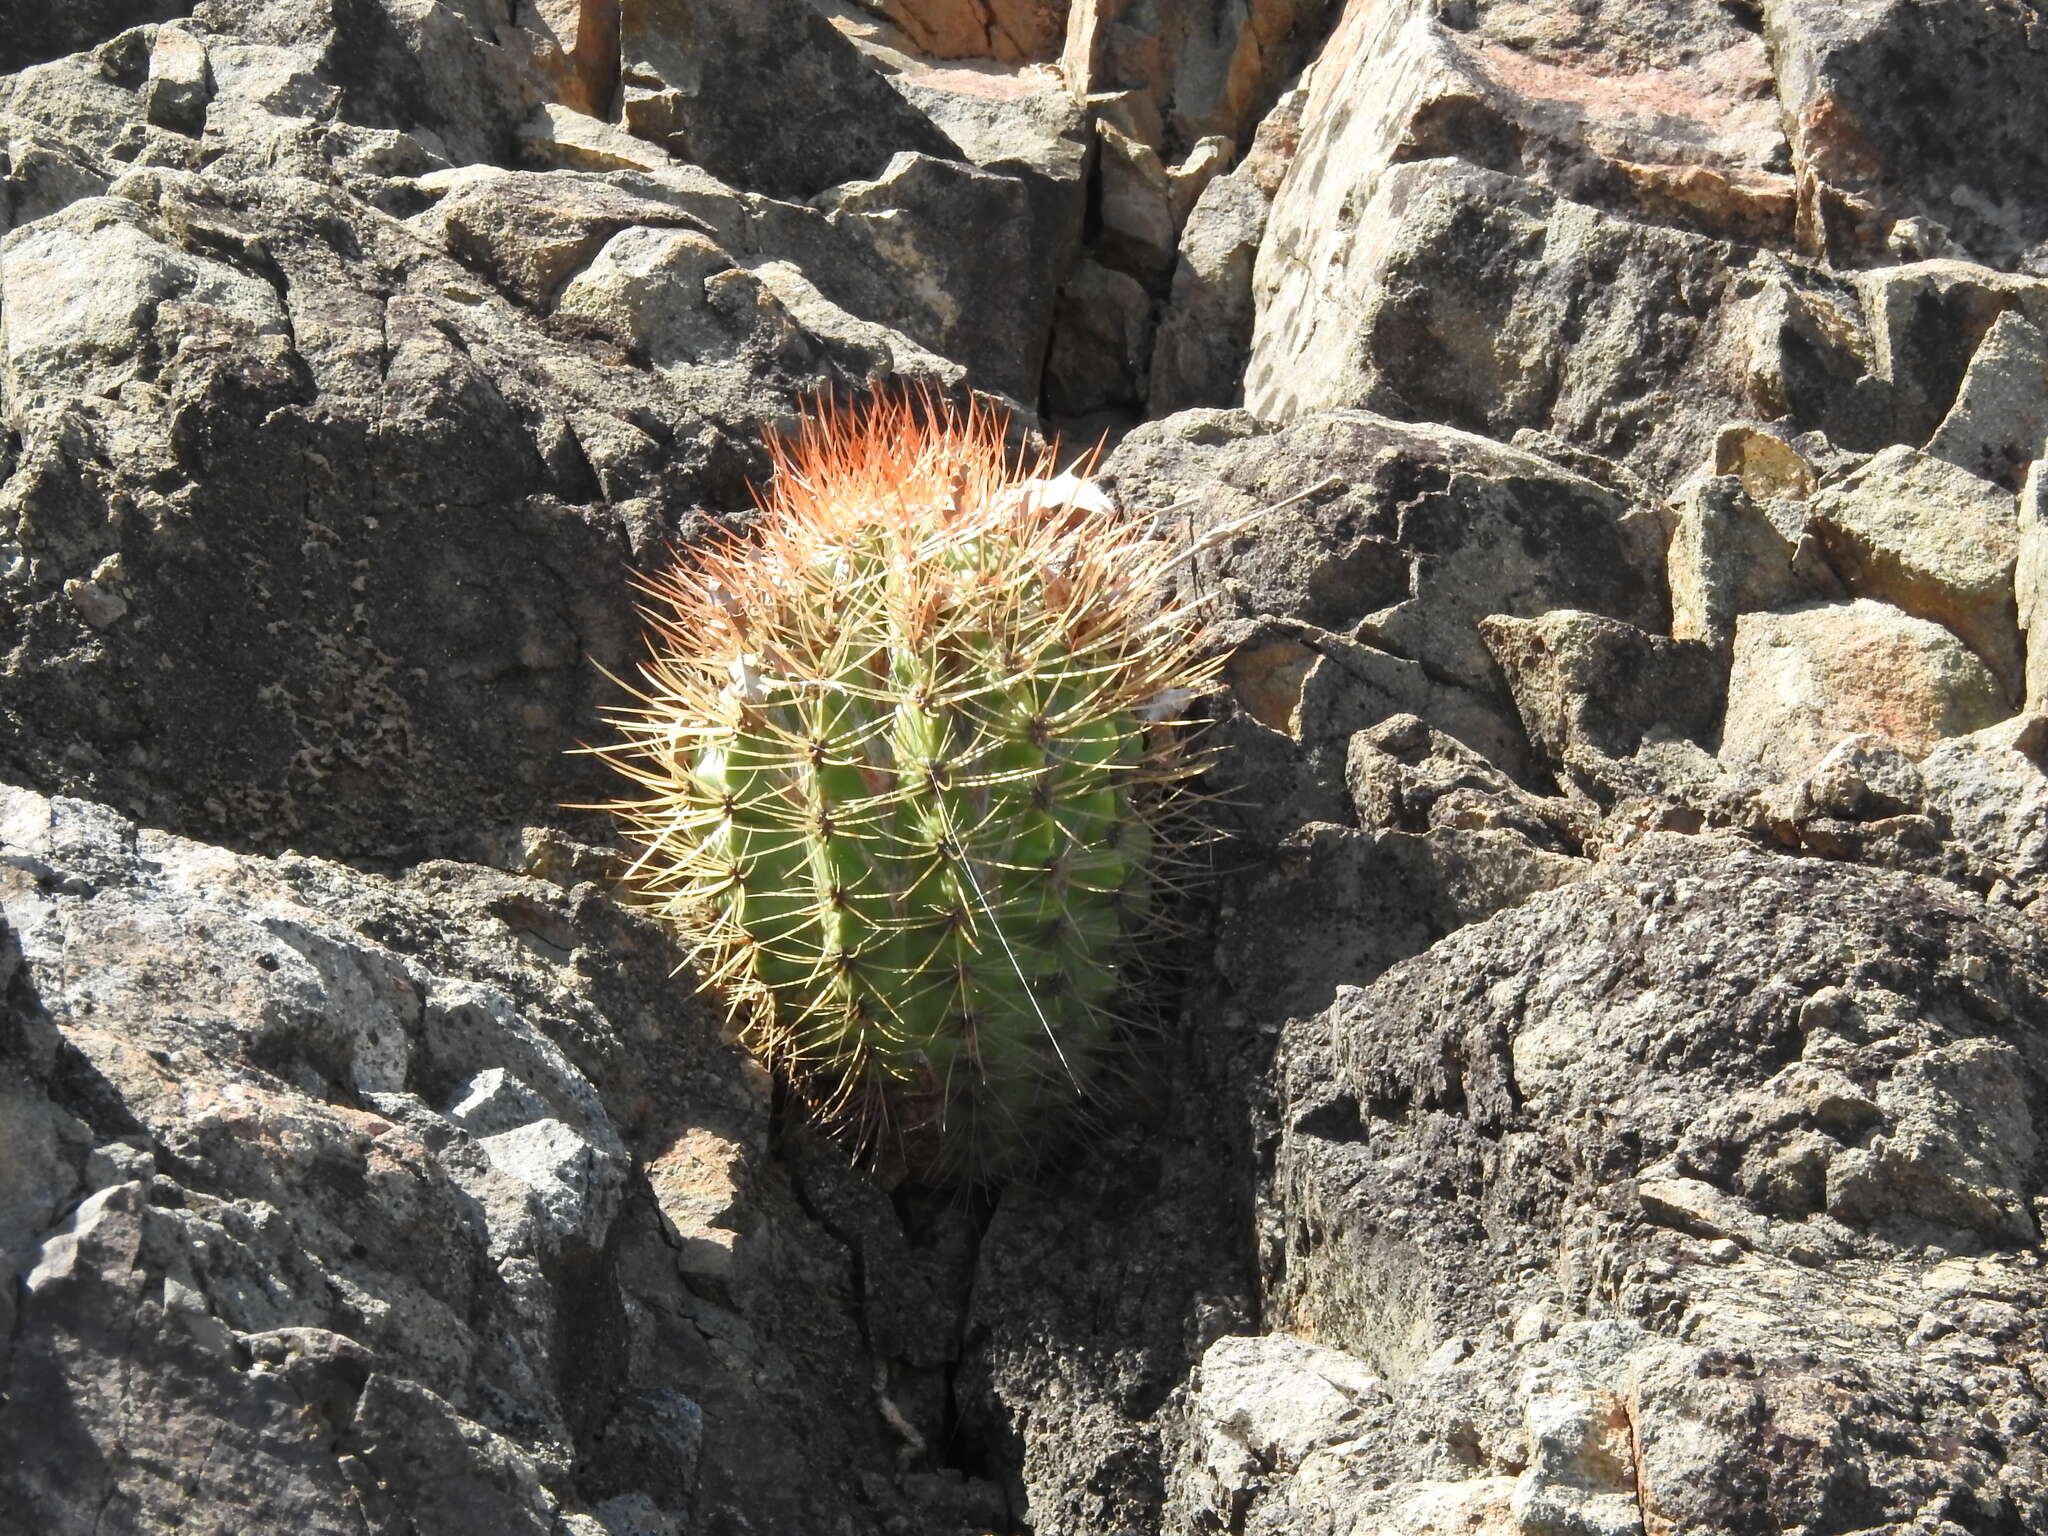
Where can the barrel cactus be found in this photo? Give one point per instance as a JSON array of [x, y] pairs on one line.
[[907, 777]]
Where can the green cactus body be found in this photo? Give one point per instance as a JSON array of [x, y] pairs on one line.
[[904, 790]]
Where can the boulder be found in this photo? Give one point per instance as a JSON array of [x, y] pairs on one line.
[[1359, 594], [377, 1188], [527, 233], [1902, 112], [1729, 556], [1806, 677], [1999, 423], [1589, 687], [1600, 1189], [47, 32], [1205, 327], [987, 303], [1933, 540], [716, 83], [208, 432]]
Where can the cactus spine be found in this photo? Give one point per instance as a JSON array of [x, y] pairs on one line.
[[903, 774]]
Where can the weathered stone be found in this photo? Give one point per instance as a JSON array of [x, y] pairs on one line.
[[527, 233], [1483, 343], [94, 297], [1863, 778], [42, 174], [1769, 468], [1999, 423], [1774, 1132], [375, 1187], [1395, 541], [1013, 31], [46, 32], [1026, 125], [179, 85], [1205, 329], [1589, 687], [1807, 677], [1926, 322], [2030, 580], [715, 82], [679, 301], [986, 304], [1920, 110], [1933, 540], [575, 49], [1729, 557], [1991, 790], [558, 138], [254, 375], [1210, 68], [439, 68]]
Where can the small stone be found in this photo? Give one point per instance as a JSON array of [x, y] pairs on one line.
[[1724, 1250], [95, 604]]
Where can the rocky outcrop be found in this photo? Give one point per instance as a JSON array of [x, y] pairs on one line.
[[1601, 1086]]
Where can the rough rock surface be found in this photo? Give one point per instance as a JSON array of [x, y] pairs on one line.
[[1603, 1092]]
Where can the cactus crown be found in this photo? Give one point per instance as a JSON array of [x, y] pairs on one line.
[[904, 775]]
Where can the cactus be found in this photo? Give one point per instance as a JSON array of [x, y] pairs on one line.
[[907, 775]]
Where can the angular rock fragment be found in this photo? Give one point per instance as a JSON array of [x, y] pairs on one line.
[[764, 94], [2030, 579], [1933, 540], [1205, 328], [1729, 556], [1589, 687], [1387, 544], [1806, 677], [1913, 111], [1999, 423], [527, 233], [976, 273]]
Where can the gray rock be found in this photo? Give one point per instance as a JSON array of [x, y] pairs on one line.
[[1483, 342], [438, 69], [1729, 556], [47, 32], [1990, 789], [1589, 687], [987, 303], [1999, 423], [528, 233], [1933, 540], [1912, 111], [228, 1198], [715, 82], [1194, 68], [92, 296], [1205, 328], [1805, 678], [1927, 321], [1767, 1099], [260, 358], [1359, 595], [2030, 580]]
